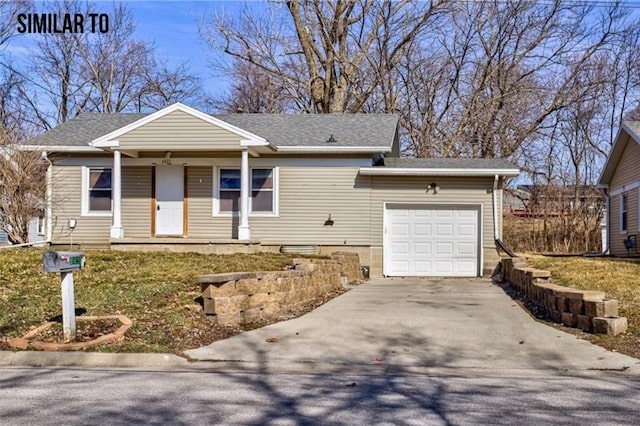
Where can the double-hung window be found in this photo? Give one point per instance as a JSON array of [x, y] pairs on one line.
[[624, 203], [262, 194], [97, 195]]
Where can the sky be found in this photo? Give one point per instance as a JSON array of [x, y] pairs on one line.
[[172, 26]]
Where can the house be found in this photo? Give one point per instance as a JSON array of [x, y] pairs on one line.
[[553, 200], [181, 179], [621, 180]]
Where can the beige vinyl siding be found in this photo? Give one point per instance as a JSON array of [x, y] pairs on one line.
[[136, 201], [179, 131], [617, 237], [67, 204], [200, 221], [307, 195], [627, 170], [413, 190]]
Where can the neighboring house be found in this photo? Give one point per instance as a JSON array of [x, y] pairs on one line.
[[181, 179], [552, 200], [621, 179]]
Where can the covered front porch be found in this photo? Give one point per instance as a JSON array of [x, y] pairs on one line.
[[170, 144]]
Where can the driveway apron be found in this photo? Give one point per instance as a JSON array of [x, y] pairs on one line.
[[417, 322]]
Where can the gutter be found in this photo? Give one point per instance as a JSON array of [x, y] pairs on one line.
[[393, 171]]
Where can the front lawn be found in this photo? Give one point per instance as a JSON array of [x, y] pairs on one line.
[[157, 291], [618, 278]]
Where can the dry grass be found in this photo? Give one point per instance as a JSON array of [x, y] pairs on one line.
[[618, 278], [157, 291]]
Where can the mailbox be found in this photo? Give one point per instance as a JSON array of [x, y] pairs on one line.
[[63, 261]]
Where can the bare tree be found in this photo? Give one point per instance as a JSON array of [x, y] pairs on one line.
[[326, 51], [9, 10], [110, 72], [21, 179]]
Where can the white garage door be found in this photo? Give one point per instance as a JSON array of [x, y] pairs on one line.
[[436, 241]]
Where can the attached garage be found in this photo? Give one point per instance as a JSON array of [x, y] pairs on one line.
[[432, 240]]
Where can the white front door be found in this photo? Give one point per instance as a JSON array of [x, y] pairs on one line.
[[169, 200], [431, 241]]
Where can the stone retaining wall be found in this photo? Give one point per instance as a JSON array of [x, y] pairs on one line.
[[587, 310], [255, 297]]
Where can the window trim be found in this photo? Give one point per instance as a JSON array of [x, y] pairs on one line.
[[216, 192], [624, 212], [85, 192], [41, 225]]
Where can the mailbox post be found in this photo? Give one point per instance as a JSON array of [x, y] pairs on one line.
[[65, 262]]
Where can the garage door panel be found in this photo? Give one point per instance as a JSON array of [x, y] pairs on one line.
[[444, 267], [466, 249], [400, 248], [422, 249], [467, 230], [444, 214], [422, 268], [432, 241], [401, 229], [422, 230], [444, 230], [444, 249]]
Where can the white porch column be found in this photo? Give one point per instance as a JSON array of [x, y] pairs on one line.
[[244, 233], [116, 191]]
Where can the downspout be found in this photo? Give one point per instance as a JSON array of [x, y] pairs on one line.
[[497, 238], [607, 223], [496, 235]]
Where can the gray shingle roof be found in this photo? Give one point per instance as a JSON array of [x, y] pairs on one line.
[[349, 130], [449, 163], [84, 128], [358, 130]]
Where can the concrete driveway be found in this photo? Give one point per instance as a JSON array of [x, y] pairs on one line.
[[416, 324]]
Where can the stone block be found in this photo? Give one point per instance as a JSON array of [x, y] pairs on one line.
[[248, 286], [555, 316], [221, 305], [601, 308], [223, 278], [570, 293], [251, 316], [538, 273], [271, 311], [229, 319], [562, 304], [569, 319], [585, 323], [551, 301], [576, 306], [611, 326], [256, 300]]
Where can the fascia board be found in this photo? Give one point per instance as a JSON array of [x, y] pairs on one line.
[[387, 171], [332, 149], [58, 148]]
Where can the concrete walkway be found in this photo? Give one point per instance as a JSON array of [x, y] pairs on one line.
[[418, 323]]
